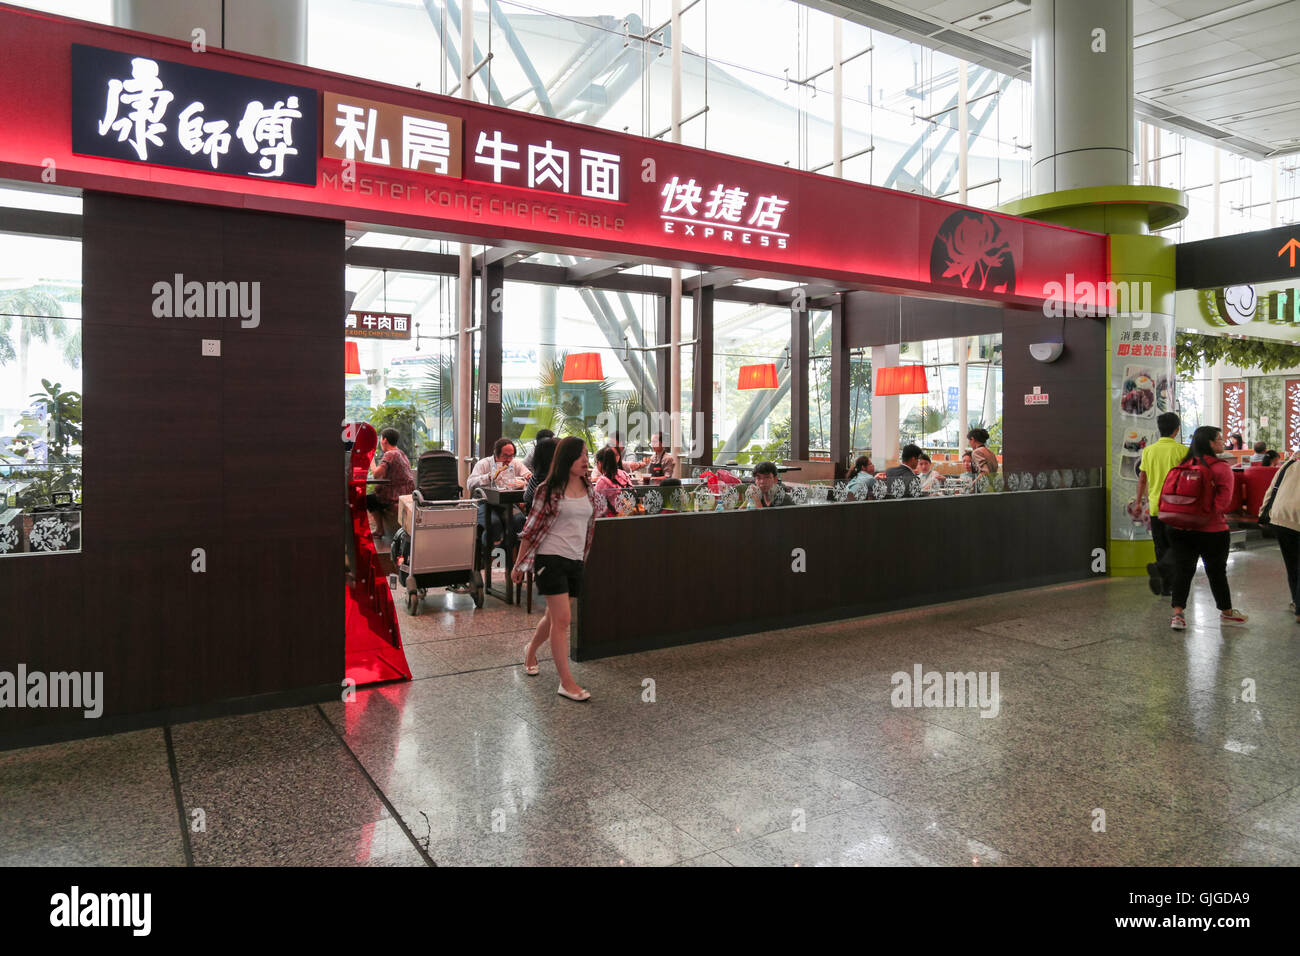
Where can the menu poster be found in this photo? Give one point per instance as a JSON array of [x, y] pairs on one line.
[[1142, 387]]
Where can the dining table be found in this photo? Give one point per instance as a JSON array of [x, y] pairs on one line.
[[503, 501]]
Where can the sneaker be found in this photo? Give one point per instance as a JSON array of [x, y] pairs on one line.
[[1178, 622], [1154, 580], [1232, 617]]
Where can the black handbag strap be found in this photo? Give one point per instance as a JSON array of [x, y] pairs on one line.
[[1267, 508]]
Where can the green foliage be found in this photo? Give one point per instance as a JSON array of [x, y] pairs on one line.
[[356, 403], [401, 412], [63, 416], [859, 405], [776, 449], [921, 422], [778, 446], [1196, 352], [566, 408], [1266, 400], [38, 481], [438, 391]]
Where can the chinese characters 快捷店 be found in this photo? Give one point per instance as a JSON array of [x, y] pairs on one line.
[[724, 204]]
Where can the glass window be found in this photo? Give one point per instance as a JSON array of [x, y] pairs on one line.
[[40, 396], [407, 384]]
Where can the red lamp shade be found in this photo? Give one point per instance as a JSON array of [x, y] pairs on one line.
[[901, 380], [351, 359], [757, 376], [583, 367]]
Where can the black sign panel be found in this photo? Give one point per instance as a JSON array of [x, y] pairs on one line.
[[168, 114], [1248, 257]]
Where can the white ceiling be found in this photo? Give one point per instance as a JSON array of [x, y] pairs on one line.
[[1224, 71]]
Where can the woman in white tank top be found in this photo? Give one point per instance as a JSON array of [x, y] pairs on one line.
[[554, 544]]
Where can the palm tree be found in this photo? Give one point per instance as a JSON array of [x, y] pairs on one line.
[[36, 313], [572, 416]]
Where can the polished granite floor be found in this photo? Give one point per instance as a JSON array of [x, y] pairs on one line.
[[1116, 742]]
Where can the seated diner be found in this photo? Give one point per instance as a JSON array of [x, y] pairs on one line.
[[613, 480], [767, 490]]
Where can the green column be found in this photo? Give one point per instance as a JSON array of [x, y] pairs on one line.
[[1128, 214]]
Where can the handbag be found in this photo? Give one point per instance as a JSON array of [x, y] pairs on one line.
[[1266, 509]]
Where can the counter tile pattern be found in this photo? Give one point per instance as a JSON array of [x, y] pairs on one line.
[[1112, 741]]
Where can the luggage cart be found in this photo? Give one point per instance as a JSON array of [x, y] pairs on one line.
[[438, 548], [435, 476]]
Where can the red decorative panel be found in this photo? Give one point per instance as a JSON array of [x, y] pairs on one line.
[[593, 190], [1292, 414], [1234, 408]]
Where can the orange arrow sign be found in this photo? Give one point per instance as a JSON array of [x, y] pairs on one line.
[[1291, 246]]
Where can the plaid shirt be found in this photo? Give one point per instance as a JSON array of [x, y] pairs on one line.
[[546, 508]]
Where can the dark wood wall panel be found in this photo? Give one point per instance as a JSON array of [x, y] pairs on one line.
[[872, 318], [160, 400], [861, 559], [1070, 430], [277, 421], [41, 596], [238, 455], [187, 242]]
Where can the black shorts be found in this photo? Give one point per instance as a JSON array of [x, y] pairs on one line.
[[557, 575]]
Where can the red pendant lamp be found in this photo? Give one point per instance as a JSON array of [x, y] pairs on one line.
[[351, 359], [583, 367], [757, 376], [902, 380]]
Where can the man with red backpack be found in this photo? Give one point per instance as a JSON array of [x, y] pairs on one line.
[[1195, 494]]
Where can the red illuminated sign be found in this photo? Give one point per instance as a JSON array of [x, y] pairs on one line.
[[545, 183]]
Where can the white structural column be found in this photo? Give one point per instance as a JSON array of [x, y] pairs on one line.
[[1083, 103], [1217, 175], [1212, 410], [276, 29], [990, 413], [464, 424], [963, 133], [837, 77], [675, 284], [963, 391], [1272, 199], [884, 411]]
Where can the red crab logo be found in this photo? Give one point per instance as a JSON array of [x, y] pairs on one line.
[[969, 251]]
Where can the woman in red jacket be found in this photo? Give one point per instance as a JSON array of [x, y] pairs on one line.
[[1210, 543]]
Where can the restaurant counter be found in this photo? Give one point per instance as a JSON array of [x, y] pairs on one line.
[[695, 577]]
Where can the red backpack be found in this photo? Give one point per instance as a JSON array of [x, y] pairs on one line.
[[1187, 496]]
